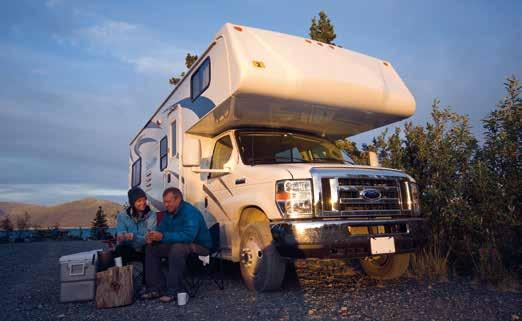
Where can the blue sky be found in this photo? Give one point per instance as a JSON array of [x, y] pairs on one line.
[[79, 78]]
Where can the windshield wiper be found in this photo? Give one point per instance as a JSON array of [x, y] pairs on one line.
[[326, 159], [274, 160]]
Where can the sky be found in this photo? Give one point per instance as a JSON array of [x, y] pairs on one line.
[[79, 78]]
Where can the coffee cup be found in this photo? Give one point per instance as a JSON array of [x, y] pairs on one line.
[[182, 298]]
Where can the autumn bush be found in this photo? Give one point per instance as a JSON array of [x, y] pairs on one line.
[[470, 191]]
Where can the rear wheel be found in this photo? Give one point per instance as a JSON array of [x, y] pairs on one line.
[[386, 267], [262, 268]]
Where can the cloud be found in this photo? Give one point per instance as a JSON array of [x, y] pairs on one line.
[[151, 64], [64, 40], [128, 43], [69, 123], [109, 31], [52, 3], [77, 146]]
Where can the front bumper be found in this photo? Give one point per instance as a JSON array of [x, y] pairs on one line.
[[335, 238]]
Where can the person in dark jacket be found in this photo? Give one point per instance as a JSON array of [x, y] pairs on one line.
[[132, 225], [182, 231]]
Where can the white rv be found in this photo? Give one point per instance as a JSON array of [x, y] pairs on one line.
[[248, 136]]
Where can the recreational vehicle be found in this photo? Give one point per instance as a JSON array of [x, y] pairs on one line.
[[248, 135]]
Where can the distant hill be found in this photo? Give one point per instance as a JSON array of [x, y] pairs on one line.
[[71, 214]]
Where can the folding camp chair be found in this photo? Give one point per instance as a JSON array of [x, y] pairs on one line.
[[212, 271]]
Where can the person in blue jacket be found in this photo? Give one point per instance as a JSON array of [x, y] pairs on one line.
[[132, 225], [182, 231]]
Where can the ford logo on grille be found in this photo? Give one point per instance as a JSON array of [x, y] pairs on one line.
[[370, 194]]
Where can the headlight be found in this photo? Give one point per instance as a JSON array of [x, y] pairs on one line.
[[294, 198], [415, 199]]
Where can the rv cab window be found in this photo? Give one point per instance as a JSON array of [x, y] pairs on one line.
[[221, 155], [200, 80], [286, 147], [163, 153], [136, 173]]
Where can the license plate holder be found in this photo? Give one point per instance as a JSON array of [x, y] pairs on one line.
[[382, 245]]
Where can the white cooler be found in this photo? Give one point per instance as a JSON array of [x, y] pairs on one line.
[[78, 276]]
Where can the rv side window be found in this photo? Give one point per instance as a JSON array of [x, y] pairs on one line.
[[136, 173], [200, 80], [221, 155], [163, 153], [173, 149]]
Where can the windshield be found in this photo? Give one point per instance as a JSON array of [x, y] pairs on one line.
[[282, 147]]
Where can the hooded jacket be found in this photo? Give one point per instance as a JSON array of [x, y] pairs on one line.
[[129, 221]]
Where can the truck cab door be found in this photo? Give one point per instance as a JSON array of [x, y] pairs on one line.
[[218, 188]]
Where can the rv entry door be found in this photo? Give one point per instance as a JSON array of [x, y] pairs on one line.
[[172, 174]]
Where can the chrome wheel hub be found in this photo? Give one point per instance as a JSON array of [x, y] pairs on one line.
[[250, 254]]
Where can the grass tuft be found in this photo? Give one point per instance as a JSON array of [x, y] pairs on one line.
[[430, 264]]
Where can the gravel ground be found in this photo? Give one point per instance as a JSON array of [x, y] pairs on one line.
[[328, 291]]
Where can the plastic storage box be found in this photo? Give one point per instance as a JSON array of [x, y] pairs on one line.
[[78, 276]]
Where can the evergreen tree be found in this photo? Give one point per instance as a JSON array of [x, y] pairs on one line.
[[99, 224], [174, 80], [6, 225], [189, 61], [322, 30], [23, 222]]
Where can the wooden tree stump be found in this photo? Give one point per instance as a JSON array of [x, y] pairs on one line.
[[114, 287]]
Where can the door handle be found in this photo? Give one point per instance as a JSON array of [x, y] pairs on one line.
[[241, 180]]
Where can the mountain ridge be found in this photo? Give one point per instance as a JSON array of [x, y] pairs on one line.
[[74, 213]]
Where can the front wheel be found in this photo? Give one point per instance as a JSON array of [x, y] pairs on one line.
[[386, 267], [262, 268]]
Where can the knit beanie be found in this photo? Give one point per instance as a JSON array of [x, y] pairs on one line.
[[134, 194]]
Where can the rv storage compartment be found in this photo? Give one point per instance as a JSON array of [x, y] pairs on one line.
[[77, 276]]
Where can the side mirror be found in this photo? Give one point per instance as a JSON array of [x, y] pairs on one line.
[[191, 152], [373, 159]]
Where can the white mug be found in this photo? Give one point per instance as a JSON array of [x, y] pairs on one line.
[[183, 298], [118, 262]]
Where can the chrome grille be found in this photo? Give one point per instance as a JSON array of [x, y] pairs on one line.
[[345, 196]]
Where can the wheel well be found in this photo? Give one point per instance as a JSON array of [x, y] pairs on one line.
[[250, 215]]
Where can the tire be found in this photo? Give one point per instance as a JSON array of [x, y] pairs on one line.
[[262, 268], [386, 267]]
